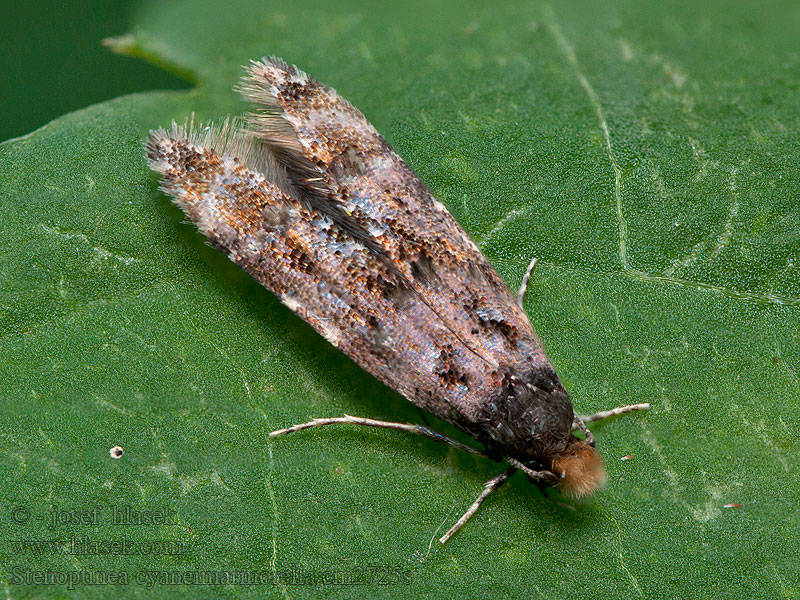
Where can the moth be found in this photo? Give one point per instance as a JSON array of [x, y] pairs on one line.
[[305, 195]]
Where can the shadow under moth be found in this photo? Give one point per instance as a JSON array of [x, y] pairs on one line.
[[308, 198]]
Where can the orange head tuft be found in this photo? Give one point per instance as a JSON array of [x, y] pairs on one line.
[[580, 470]]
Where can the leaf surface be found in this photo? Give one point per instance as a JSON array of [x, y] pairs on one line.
[[647, 154]]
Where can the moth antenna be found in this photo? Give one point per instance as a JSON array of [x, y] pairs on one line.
[[620, 410], [580, 470]]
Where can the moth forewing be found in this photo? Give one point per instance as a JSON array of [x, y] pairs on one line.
[[310, 200]]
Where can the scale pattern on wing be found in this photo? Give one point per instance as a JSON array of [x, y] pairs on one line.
[[336, 154], [319, 270], [314, 203]]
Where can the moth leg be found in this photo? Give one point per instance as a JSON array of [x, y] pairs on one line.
[[523, 288], [541, 478], [620, 410], [429, 433], [488, 487], [579, 424]]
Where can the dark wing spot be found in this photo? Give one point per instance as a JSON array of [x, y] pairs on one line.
[[299, 257], [422, 268], [491, 319], [448, 367], [347, 164], [397, 292]]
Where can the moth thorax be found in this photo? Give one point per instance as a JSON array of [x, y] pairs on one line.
[[580, 470]]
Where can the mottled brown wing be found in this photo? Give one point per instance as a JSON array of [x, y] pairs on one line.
[[314, 203], [318, 270], [341, 160]]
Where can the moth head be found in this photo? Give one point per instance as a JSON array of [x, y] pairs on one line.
[[579, 469]]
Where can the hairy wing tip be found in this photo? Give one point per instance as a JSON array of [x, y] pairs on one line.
[[270, 70], [262, 66], [155, 148], [160, 142], [277, 62], [158, 136]]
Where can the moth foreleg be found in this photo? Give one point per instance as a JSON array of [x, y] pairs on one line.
[[488, 487], [605, 414], [523, 288], [540, 478], [429, 433]]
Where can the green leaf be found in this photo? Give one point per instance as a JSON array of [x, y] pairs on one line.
[[646, 153]]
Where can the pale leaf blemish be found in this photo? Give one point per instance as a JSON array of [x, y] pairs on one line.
[[623, 565], [703, 162], [62, 288], [686, 261], [721, 242], [103, 403], [727, 230], [45, 437], [677, 77], [711, 508], [360, 526], [50, 463], [511, 216], [658, 450], [763, 431], [212, 477], [701, 512], [273, 561], [625, 49], [166, 468], [23, 464], [100, 254], [365, 52], [425, 121], [569, 53]]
